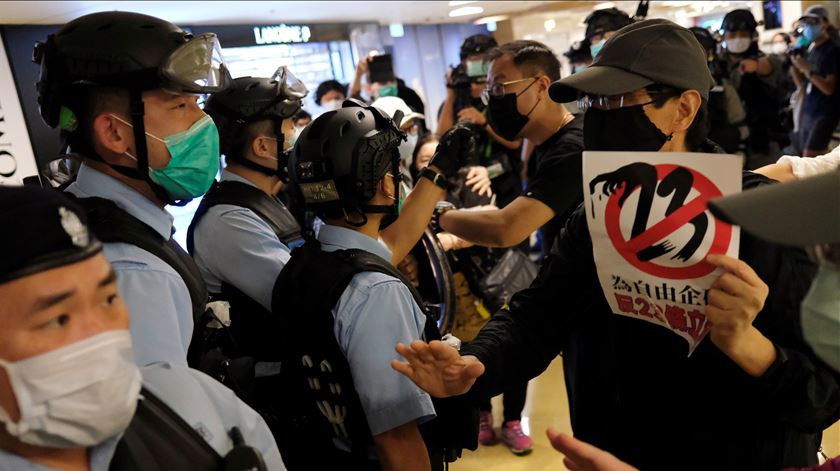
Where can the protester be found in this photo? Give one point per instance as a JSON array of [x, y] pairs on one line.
[[519, 107], [627, 381]]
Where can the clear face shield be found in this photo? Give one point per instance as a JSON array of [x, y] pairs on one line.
[[290, 92], [196, 67]]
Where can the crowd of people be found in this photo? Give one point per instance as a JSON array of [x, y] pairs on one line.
[[302, 327]]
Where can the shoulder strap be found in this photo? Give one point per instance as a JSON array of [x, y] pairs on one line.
[[110, 223], [158, 439], [269, 209]]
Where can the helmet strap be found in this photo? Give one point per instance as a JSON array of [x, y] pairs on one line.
[[138, 111]]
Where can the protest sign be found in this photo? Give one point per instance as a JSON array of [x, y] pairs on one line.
[[651, 232]]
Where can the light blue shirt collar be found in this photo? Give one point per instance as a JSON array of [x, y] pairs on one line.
[[337, 238], [93, 183], [228, 176], [99, 456]]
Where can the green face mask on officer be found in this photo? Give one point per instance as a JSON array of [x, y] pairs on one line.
[[194, 159]]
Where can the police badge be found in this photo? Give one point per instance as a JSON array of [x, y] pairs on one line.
[[73, 227]]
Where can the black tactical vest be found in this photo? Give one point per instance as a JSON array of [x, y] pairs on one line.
[[323, 423]]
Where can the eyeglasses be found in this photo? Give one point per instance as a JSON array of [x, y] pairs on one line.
[[498, 89], [614, 102]]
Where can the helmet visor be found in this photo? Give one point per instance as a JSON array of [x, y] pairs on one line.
[[197, 66], [290, 85]]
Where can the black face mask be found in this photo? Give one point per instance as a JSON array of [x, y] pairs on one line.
[[505, 118], [623, 129]]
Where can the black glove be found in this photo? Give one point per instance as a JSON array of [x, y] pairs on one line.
[[456, 149]]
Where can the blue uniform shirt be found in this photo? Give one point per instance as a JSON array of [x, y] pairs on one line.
[[204, 403], [156, 296], [375, 312], [234, 245]]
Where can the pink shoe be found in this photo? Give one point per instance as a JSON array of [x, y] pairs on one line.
[[513, 436], [486, 434]]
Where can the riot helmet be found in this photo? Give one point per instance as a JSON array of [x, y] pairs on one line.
[[128, 51], [252, 99], [340, 158]]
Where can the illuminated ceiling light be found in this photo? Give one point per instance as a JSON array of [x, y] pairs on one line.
[[457, 3], [396, 30], [491, 27], [604, 6], [490, 19], [466, 11], [550, 25]]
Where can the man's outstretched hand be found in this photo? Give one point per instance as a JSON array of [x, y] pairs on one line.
[[438, 368], [581, 456]]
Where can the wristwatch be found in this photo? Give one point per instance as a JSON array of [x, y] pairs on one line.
[[436, 178], [440, 208]]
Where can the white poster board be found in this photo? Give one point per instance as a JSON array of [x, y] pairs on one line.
[[651, 232], [16, 157]]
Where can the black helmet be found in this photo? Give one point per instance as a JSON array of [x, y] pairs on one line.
[[477, 44], [739, 20], [704, 37], [603, 21], [578, 52], [341, 156], [251, 99], [122, 50]]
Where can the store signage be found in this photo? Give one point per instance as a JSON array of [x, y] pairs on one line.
[[16, 157], [282, 34]]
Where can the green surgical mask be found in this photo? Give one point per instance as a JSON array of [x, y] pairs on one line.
[[388, 90], [194, 160]]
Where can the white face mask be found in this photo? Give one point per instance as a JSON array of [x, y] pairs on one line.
[[407, 149], [738, 45], [332, 105], [779, 48], [76, 396]]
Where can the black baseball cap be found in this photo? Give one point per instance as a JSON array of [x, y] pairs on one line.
[[644, 53], [815, 12], [46, 230], [803, 212]]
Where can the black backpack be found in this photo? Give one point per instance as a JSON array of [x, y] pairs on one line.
[[316, 378]]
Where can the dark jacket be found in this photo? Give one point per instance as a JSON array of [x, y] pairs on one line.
[[632, 389]]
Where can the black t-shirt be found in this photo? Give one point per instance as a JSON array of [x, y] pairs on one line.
[[824, 60], [557, 181]]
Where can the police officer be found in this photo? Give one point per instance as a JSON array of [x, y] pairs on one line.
[[120, 88], [241, 235], [71, 396], [340, 304]]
